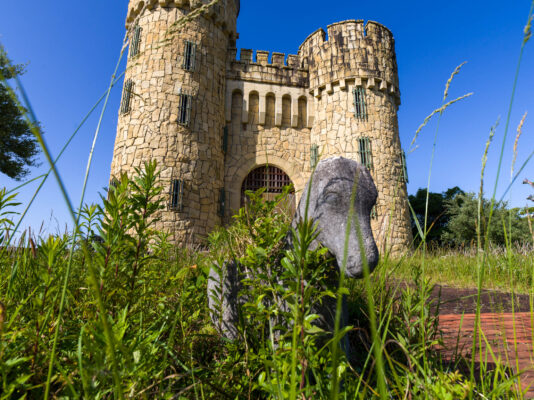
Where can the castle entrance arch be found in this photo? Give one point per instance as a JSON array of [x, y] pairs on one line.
[[273, 179]]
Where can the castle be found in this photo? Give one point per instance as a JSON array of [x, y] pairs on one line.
[[218, 125]]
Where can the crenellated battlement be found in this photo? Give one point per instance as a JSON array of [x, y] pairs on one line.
[[351, 50], [262, 58], [344, 32], [223, 14], [263, 66]]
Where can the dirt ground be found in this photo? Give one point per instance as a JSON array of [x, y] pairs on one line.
[[506, 324], [463, 301]]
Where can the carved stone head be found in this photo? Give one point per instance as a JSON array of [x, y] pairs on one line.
[[329, 203]]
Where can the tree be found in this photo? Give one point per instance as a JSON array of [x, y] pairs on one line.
[[18, 146], [463, 219], [437, 218]]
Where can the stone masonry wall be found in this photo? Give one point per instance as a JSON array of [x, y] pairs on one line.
[[150, 130], [259, 135], [337, 132]]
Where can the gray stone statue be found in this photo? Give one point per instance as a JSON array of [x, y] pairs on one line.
[[329, 201]]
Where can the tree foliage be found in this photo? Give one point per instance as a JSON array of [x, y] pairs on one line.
[[506, 224], [452, 219], [18, 147], [437, 218]]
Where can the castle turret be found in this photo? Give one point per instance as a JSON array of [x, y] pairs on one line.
[[354, 81], [173, 108]]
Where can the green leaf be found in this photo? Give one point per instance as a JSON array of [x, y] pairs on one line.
[[13, 362]]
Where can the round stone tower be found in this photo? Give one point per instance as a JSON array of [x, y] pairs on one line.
[[353, 78], [172, 108]]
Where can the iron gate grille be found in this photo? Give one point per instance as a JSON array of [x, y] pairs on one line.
[[272, 178]]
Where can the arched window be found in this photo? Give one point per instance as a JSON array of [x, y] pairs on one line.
[[286, 110], [237, 111], [273, 179], [270, 103], [303, 112], [270, 177], [253, 107]]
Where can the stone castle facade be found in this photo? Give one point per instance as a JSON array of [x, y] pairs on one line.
[[218, 125]]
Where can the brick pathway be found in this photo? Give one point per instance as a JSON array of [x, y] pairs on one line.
[[498, 329]]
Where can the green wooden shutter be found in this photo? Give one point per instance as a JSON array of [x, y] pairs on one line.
[[404, 167], [314, 155], [176, 195], [181, 109], [192, 63], [225, 140], [184, 109], [190, 52], [360, 107], [135, 41], [126, 96], [188, 109], [222, 203], [365, 153]]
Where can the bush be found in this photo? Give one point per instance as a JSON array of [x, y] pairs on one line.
[[506, 224]]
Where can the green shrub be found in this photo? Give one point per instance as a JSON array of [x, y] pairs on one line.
[[463, 219]]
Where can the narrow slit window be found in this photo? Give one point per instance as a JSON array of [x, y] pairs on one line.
[[404, 167], [314, 156], [222, 203], [135, 41], [126, 96], [190, 52], [360, 107], [185, 102], [225, 140], [364, 151], [374, 215], [176, 195]]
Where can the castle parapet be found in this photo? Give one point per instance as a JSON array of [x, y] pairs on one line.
[[353, 51], [246, 55], [268, 67], [262, 58], [223, 14]]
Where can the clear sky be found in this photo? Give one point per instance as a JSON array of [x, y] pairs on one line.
[[71, 48]]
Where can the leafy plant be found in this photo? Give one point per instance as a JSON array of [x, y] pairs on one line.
[[462, 226], [18, 147]]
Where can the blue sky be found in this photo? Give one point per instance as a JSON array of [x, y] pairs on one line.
[[71, 49]]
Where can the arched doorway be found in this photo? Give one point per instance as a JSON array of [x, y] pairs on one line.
[[273, 179]]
